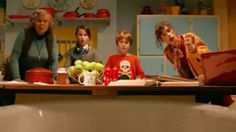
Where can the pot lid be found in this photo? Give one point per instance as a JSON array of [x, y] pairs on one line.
[[39, 70]]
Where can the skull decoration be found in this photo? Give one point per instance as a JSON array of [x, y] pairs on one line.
[[125, 66]]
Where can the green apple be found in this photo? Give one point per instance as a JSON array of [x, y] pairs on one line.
[[78, 62], [71, 72], [96, 72], [89, 66], [71, 69], [99, 67], [79, 68], [84, 63]]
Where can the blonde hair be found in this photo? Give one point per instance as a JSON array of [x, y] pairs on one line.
[[126, 35], [35, 15]]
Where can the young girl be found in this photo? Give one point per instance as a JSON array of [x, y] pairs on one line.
[[127, 64], [82, 50], [183, 51]]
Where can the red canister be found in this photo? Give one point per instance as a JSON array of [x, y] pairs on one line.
[[39, 75]]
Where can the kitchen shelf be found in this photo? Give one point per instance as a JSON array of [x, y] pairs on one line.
[[66, 21], [86, 21], [14, 22]]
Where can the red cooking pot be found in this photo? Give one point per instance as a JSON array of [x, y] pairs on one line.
[[72, 14], [39, 74], [50, 10], [89, 15], [102, 13]]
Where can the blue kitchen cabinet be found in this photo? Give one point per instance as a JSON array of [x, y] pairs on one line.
[[207, 29], [147, 40], [148, 49], [152, 65]]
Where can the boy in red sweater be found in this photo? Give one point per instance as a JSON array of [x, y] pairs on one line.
[[128, 65]]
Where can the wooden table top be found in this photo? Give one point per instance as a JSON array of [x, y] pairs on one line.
[[114, 90]]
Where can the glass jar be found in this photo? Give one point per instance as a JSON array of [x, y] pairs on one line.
[[61, 76]]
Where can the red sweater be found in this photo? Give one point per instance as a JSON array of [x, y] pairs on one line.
[[128, 66]]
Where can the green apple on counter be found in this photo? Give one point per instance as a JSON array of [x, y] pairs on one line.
[[80, 66]]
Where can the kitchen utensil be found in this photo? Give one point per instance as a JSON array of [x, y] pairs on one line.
[[72, 14], [39, 74], [103, 13], [89, 78], [61, 76], [89, 15]]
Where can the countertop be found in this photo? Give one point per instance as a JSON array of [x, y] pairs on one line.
[[114, 90]]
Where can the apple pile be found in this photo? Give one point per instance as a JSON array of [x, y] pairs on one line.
[[80, 66]]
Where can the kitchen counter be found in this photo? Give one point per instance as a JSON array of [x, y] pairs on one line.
[[115, 90]]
